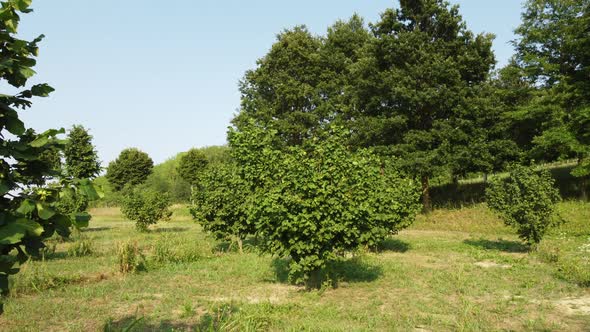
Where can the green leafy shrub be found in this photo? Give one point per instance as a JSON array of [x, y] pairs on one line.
[[316, 201], [525, 200], [221, 204], [146, 207], [130, 258]]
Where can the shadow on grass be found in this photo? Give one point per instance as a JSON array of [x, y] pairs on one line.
[[136, 324], [218, 319], [95, 229], [349, 270], [48, 256], [451, 195], [171, 230], [393, 245], [455, 196], [500, 245], [248, 245]]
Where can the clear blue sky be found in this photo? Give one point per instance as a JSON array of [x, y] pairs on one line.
[[162, 75]]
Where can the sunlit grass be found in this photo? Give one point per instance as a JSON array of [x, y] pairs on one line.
[[459, 269]]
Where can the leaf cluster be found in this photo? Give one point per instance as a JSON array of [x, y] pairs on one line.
[[222, 202], [28, 202]]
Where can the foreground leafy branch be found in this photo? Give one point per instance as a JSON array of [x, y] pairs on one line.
[[29, 184]]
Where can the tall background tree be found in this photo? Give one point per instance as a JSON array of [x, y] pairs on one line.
[[191, 165], [553, 51], [302, 83], [81, 162], [419, 76], [131, 168], [81, 158]]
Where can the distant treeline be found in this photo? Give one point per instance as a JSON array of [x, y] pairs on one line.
[[165, 178]]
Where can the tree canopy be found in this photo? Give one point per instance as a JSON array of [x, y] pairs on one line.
[[131, 168], [553, 50], [81, 158], [191, 165]]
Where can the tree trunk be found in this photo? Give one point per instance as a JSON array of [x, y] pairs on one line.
[[240, 245], [456, 181], [485, 178], [584, 188], [315, 280], [426, 202], [583, 183]]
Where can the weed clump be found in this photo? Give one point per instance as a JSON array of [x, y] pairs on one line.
[[130, 258], [81, 248]]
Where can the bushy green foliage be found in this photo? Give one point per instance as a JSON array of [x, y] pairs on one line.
[[191, 165], [315, 201], [165, 177], [407, 86], [145, 207], [526, 201], [81, 158], [71, 202], [28, 160], [131, 168], [221, 204], [553, 50]]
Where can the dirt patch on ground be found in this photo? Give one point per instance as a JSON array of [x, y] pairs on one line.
[[574, 306], [491, 265], [274, 294], [419, 260]]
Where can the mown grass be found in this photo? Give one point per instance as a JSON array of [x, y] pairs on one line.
[[453, 270]]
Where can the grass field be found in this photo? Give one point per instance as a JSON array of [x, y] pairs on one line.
[[453, 270]]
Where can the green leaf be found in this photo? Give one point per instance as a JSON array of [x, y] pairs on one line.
[[13, 232], [26, 207], [7, 263], [23, 5], [40, 141], [4, 187], [45, 211], [42, 90], [87, 189], [82, 219], [62, 224], [15, 126], [11, 25], [27, 72]]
